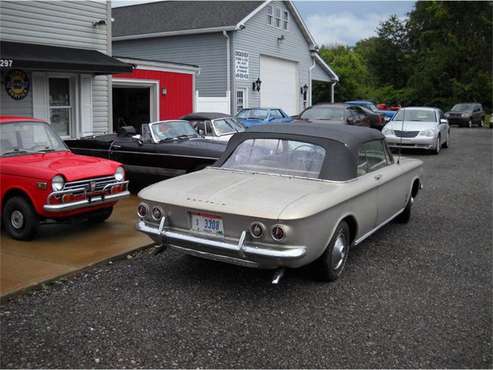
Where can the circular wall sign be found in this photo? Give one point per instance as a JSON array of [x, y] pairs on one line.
[[17, 84]]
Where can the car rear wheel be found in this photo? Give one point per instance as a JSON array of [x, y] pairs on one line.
[[20, 218], [405, 215], [332, 262], [100, 216]]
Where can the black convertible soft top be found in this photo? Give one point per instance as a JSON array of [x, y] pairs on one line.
[[199, 116], [341, 142]]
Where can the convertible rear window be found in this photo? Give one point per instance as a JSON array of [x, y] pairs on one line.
[[286, 157]]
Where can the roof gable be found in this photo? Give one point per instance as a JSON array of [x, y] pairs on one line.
[[174, 16]]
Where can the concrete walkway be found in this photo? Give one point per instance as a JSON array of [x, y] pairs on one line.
[[61, 249]]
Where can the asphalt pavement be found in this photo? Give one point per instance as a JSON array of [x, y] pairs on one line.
[[412, 296]]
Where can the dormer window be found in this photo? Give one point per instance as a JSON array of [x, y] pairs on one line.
[[278, 17], [269, 15]]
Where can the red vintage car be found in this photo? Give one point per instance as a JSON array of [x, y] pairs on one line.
[[41, 179]]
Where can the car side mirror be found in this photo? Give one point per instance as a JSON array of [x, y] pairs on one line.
[[444, 121], [271, 119], [201, 132]]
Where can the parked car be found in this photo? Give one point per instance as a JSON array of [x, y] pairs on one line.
[[387, 114], [385, 107], [41, 179], [418, 128], [213, 125], [466, 115], [284, 196], [164, 149], [338, 113], [249, 117]]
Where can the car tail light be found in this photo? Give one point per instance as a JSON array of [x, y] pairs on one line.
[[157, 213], [257, 230], [142, 210], [278, 233]]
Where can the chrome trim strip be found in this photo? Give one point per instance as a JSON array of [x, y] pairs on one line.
[[144, 153], [95, 201], [282, 175], [378, 227], [288, 253]]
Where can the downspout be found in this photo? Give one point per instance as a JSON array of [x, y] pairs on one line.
[[228, 69], [310, 101], [332, 91]]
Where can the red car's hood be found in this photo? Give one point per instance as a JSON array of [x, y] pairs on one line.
[[45, 166]]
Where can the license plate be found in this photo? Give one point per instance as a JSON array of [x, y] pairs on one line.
[[204, 222]]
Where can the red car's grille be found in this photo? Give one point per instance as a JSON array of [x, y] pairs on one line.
[[90, 185]]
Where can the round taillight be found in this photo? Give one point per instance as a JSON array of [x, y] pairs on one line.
[[257, 230], [278, 233], [157, 213], [142, 210]]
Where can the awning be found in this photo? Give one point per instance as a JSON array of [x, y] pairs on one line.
[[55, 58]]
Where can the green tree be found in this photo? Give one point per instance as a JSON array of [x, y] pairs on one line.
[[451, 45], [352, 71]]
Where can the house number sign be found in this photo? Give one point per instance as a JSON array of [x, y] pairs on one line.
[[241, 65], [17, 84]]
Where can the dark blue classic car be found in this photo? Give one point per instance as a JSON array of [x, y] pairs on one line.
[[261, 116]]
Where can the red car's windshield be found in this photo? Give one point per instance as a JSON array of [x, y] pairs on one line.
[[28, 137]]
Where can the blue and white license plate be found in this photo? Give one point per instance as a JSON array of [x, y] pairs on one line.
[[204, 222]]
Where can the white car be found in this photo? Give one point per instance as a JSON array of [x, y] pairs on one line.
[[214, 126], [418, 128]]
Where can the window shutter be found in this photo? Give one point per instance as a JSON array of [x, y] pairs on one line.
[[86, 111], [41, 96]]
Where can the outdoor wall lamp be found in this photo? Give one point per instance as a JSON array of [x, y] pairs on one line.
[[101, 22], [164, 91], [256, 85], [303, 90]]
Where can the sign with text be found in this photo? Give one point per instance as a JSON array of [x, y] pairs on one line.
[[241, 65]]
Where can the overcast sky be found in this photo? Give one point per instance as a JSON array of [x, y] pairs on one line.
[[338, 22]]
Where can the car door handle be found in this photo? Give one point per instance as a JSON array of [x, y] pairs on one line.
[[378, 177], [116, 146]]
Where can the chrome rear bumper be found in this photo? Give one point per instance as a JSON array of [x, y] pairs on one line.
[[240, 253]]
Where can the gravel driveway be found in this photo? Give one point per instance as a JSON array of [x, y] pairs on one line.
[[415, 295]]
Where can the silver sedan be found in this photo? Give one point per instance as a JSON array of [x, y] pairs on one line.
[[418, 128]]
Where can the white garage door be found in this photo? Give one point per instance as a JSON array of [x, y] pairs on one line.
[[279, 84]]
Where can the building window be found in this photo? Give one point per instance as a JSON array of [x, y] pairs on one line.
[[285, 17], [269, 15], [241, 99], [278, 17], [60, 105]]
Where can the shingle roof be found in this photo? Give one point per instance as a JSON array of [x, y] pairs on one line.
[[172, 16]]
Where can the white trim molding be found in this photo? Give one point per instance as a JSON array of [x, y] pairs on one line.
[[154, 109], [325, 66], [174, 33], [153, 65]]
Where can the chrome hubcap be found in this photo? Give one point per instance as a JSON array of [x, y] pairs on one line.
[[17, 219], [338, 252]]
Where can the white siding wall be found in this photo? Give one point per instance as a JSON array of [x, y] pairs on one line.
[[259, 38], [66, 24]]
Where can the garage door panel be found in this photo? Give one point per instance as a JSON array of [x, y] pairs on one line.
[[279, 84]]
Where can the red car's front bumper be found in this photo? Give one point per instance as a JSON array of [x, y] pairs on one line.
[[80, 200]]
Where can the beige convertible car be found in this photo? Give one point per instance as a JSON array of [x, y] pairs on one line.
[[284, 196]]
